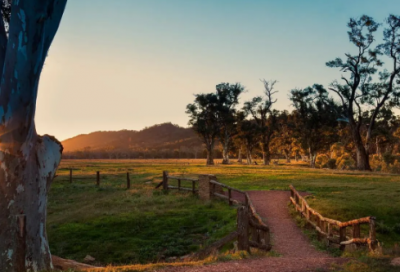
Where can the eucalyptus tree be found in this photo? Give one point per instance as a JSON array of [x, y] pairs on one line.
[[285, 138], [314, 119], [228, 98], [359, 92], [260, 108], [204, 119], [28, 161], [248, 136]]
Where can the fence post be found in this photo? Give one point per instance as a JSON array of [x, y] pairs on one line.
[[243, 228], [342, 237], [372, 233], [98, 178], [165, 180], [193, 187], [179, 184], [128, 181], [230, 196], [70, 175], [204, 187]]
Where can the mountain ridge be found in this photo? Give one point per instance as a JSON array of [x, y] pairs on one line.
[[160, 136]]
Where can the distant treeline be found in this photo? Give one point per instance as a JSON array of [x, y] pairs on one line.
[[351, 124]]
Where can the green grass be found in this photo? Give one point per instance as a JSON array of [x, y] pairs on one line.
[[116, 225], [121, 226]]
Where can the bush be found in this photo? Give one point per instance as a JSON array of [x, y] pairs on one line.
[[345, 162], [377, 163], [321, 161], [388, 158], [395, 168], [331, 164]]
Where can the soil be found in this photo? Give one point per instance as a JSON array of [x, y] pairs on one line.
[[297, 254]]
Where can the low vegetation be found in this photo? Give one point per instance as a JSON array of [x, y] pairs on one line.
[[141, 225]]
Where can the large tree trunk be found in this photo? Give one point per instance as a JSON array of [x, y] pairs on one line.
[[240, 155], [313, 157], [287, 155], [225, 152], [28, 161], [210, 156], [362, 157], [265, 153], [248, 157]]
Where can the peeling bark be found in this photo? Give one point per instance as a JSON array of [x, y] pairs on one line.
[[225, 151], [28, 161], [240, 155]]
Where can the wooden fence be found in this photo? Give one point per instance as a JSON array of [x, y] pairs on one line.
[[335, 231], [251, 231], [166, 186], [96, 177]]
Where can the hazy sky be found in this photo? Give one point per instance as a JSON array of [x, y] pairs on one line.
[[128, 64]]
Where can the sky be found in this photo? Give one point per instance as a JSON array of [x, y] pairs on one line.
[[131, 64]]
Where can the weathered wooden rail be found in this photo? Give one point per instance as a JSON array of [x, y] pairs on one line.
[[251, 231], [96, 177], [255, 233], [333, 230], [165, 183]]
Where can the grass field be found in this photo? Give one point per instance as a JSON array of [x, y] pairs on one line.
[[116, 225]]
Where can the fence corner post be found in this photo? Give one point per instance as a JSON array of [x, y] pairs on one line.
[[128, 181], [243, 228], [165, 180], [342, 237], [204, 187], [70, 175], [98, 178], [372, 233]]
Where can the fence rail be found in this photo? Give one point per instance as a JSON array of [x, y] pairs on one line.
[[326, 226], [165, 183], [95, 177], [251, 230]]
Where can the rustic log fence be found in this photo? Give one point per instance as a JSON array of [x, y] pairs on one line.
[[96, 177], [335, 231], [166, 186], [251, 230]]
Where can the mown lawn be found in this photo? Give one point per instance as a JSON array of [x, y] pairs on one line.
[[116, 225]]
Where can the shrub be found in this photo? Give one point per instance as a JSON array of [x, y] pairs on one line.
[[395, 168], [331, 164], [321, 161], [377, 164], [345, 162], [388, 158]]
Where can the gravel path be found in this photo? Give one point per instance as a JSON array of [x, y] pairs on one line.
[[297, 253]]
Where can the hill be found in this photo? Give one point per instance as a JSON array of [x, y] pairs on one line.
[[156, 141]]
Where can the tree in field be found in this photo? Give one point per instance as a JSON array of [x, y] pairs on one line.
[[28, 161], [213, 116], [228, 98], [285, 136], [248, 137], [359, 92], [260, 108], [204, 119], [315, 119]]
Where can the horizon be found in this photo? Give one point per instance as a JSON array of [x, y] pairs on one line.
[[171, 51]]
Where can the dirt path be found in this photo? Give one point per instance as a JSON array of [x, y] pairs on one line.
[[297, 253]]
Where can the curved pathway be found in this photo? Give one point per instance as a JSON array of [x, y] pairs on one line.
[[297, 253]]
